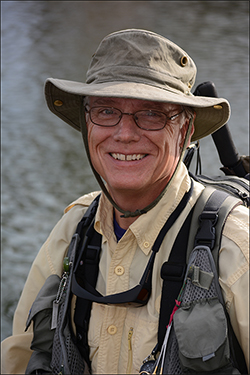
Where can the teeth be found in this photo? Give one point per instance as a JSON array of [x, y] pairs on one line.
[[128, 157]]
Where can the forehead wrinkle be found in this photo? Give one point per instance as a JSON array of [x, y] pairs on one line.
[[102, 101], [144, 104]]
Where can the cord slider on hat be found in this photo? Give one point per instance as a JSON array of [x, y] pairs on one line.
[[58, 103]]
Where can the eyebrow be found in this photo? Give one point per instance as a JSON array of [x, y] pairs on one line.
[[104, 101]]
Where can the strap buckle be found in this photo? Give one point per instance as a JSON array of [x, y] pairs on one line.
[[173, 271], [206, 232]]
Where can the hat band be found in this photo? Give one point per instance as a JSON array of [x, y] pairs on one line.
[[138, 75]]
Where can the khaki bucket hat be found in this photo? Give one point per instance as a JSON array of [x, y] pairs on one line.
[[138, 64]]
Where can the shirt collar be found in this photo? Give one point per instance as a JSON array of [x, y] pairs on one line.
[[146, 228]]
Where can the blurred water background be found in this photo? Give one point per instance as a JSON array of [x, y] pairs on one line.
[[44, 165]]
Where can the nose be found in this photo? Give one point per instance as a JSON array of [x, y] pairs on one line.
[[127, 130]]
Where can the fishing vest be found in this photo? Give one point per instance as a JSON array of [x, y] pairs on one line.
[[198, 243]]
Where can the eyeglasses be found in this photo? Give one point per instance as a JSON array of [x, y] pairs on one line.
[[145, 119]]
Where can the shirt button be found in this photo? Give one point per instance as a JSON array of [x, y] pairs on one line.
[[112, 330], [119, 270], [146, 244]]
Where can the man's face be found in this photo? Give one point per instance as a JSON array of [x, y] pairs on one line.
[[132, 160]]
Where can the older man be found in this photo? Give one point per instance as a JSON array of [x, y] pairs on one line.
[[137, 115]]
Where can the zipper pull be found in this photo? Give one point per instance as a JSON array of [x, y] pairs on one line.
[[130, 354], [54, 315], [130, 334], [58, 299]]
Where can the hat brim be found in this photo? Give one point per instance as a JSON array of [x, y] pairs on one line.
[[64, 97]]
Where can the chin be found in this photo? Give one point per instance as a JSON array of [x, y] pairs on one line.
[[126, 188]]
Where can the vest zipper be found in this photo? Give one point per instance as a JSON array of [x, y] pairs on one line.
[[130, 352]]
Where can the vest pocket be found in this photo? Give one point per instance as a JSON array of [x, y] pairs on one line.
[[41, 315], [201, 332]]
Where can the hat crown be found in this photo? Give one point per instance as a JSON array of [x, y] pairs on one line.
[[142, 56]]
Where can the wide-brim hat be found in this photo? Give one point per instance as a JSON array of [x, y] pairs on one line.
[[138, 64]]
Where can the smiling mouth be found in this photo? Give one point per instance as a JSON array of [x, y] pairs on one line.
[[128, 157]]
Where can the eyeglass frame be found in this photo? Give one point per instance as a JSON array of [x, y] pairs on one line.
[[134, 117]]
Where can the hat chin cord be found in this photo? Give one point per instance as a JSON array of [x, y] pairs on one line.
[[137, 212]]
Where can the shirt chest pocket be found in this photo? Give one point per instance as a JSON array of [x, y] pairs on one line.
[[139, 338]]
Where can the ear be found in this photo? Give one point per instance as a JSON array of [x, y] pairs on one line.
[[86, 116], [184, 130]]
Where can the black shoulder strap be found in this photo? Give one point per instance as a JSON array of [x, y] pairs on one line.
[[172, 273], [89, 268], [91, 241]]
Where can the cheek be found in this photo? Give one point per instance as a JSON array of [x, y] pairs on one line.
[[98, 139], [171, 141], [93, 143], [96, 135], [91, 131], [91, 138]]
